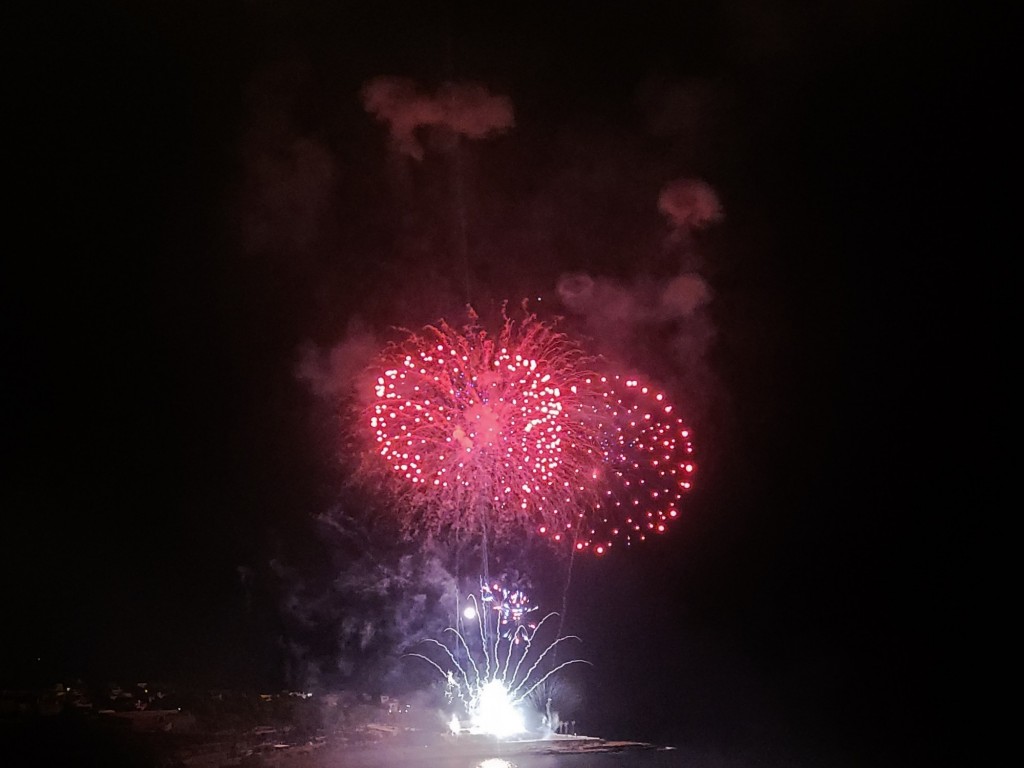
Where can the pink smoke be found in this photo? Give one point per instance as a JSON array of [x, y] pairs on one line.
[[689, 204], [468, 109]]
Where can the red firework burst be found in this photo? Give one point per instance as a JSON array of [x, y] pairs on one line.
[[472, 428], [514, 433], [646, 470]]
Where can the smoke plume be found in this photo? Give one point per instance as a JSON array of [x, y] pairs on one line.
[[659, 324], [689, 204], [336, 372], [467, 109], [347, 620]]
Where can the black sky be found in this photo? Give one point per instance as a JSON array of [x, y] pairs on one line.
[[156, 437]]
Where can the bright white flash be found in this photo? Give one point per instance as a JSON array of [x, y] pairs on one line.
[[497, 676], [495, 714]]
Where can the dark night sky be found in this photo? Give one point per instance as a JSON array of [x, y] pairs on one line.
[[171, 254]]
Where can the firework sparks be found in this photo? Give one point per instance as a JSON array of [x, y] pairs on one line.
[[467, 424], [511, 606], [647, 466], [492, 681], [515, 433]]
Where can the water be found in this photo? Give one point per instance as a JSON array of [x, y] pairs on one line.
[[382, 757], [645, 759]]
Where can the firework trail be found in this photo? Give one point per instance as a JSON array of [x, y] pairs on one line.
[[516, 433]]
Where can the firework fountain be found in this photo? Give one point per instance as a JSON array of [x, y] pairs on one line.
[[490, 675]]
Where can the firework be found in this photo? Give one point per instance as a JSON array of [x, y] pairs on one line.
[[514, 432], [510, 605], [647, 466], [468, 424], [492, 681]]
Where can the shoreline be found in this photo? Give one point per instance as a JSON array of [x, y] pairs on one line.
[[473, 748]]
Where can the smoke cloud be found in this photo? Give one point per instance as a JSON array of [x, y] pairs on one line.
[[613, 308], [337, 371], [467, 109], [684, 295], [689, 204], [659, 327], [659, 324], [346, 621]]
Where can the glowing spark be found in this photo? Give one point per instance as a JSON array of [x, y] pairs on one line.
[[511, 606]]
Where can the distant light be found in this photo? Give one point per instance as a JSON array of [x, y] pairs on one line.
[[469, 613]]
